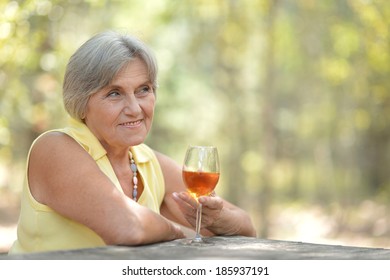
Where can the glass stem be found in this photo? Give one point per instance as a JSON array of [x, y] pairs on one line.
[[198, 222]]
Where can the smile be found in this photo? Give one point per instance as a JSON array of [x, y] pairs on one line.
[[131, 124]]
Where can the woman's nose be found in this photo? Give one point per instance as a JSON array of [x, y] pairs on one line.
[[131, 105]]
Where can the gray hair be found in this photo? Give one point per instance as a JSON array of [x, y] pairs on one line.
[[94, 65]]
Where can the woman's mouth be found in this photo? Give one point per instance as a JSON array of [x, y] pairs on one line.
[[131, 124]]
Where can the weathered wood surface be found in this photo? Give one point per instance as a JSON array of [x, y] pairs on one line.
[[235, 247]]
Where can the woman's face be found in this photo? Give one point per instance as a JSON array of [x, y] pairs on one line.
[[120, 115]]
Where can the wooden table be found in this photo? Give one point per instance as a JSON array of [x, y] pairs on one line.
[[235, 247]]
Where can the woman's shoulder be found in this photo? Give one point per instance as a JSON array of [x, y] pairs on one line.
[[52, 157], [51, 143], [52, 137], [168, 165]]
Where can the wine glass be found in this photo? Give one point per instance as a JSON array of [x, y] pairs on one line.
[[201, 175]]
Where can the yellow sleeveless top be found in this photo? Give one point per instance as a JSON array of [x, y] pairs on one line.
[[42, 229]]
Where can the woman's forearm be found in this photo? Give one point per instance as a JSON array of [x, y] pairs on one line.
[[142, 226], [157, 228], [233, 221]]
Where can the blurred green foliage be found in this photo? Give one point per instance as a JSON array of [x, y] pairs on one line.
[[296, 95]]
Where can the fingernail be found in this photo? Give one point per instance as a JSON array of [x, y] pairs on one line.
[[182, 195]]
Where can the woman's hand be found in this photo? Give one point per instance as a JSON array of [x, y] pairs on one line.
[[212, 207], [219, 217]]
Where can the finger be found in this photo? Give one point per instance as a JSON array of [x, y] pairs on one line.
[[209, 217], [211, 211], [185, 196], [213, 203], [187, 210], [182, 203]]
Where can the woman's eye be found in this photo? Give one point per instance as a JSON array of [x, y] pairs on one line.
[[113, 94], [144, 90]]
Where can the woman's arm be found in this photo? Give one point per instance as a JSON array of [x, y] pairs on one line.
[[63, 176], [219, 217]]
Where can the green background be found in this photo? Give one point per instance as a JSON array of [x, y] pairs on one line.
[[295, 94]]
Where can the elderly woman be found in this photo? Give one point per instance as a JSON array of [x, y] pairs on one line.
[[94, 182]]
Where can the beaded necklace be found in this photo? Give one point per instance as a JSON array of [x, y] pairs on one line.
[[133, 167]]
